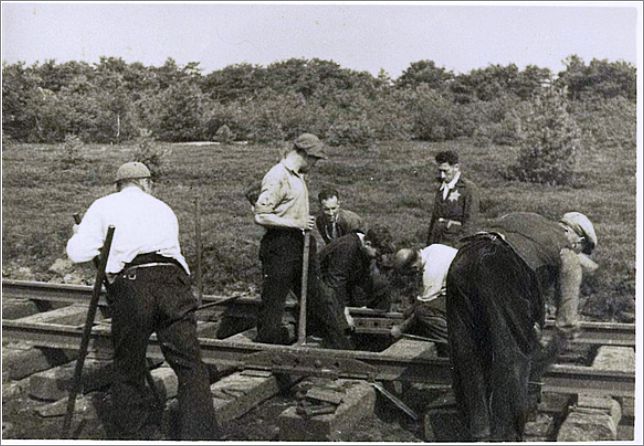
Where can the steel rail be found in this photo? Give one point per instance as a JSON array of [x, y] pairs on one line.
[[368, 321], [54, 292], [300, 360]]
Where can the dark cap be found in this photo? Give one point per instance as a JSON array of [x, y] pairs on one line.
[[310, 144]]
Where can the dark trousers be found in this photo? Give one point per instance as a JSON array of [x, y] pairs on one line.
[[331, 321], [492, 303], [431, 319], [281, 254], [440, 233], [158, 299]]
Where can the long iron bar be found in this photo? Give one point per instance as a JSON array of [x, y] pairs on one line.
[[372, 366], [87, 329]]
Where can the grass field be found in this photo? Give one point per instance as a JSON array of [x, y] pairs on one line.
[[391, 183]]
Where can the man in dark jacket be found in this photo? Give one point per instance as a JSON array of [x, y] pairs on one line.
[[456, 203], [495, 310], [350, 277], [333, 221]]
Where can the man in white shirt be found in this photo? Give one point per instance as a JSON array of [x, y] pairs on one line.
[[149, 291], [429, 308]]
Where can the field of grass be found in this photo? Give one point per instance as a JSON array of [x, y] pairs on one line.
[[391, 183]]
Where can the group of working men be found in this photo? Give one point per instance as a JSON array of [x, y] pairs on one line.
[[482, 296]]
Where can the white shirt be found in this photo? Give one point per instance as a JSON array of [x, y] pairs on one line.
[[436, 260], [284, 193], [446, 187], [142, 223]]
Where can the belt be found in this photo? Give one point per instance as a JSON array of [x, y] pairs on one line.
[[492, 236], [447, 220], [148, 265], [130, 270]]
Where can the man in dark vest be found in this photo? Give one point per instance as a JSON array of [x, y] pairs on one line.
[[495, 309], [349, 277], [456, 203]]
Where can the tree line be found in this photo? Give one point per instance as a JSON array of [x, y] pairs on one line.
[[113, 101]]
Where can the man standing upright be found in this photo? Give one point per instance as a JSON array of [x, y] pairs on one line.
[[333, 221], [283, 209], [149, 291], [456, 203]]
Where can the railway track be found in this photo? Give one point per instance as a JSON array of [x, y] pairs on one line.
[[385, 365], [368, 321]]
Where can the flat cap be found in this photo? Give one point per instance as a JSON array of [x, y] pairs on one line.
[[133, 170], [582, 225], [310, 144]]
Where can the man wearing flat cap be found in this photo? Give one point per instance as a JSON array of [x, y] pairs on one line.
[[282, 207], [149, 292], [495, 309]]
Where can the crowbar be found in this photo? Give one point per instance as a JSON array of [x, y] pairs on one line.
[[301, 325], [87, 331]]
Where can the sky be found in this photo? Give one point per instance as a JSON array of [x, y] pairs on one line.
[[458, 36]]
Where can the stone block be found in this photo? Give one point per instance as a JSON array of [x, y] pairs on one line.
[[14, 389], [606, 405], [586, 427], [620, 359], [20, 360], [410, 348], [245, 336], [579, 354], [628, 407], [54, 384], [542, 427], [74, 315], [87, 406], [554, 403], [358, 403], [166, 382], [206, 329], [18, 308], [236, 394], [625, 432]]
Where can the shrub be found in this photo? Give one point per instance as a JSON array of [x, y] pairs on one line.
[[224, 134], [150, 153], [606, 123], [351, 132], [435, 116], [72, 150], [549, 141]]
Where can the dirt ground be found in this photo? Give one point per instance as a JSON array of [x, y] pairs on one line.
[[387, 424]]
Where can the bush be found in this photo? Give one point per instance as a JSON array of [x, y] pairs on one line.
[[606, 123], [549, 141], [150, 153], [72, 150], [224, 134], [434, 115], [351, 132]]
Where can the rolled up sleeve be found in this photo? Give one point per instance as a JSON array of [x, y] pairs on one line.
[[269, 196], [87, 242]]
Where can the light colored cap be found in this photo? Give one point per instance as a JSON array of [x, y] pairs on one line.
[[403, 258], [133, 170], [311, 144], [582, 225]]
